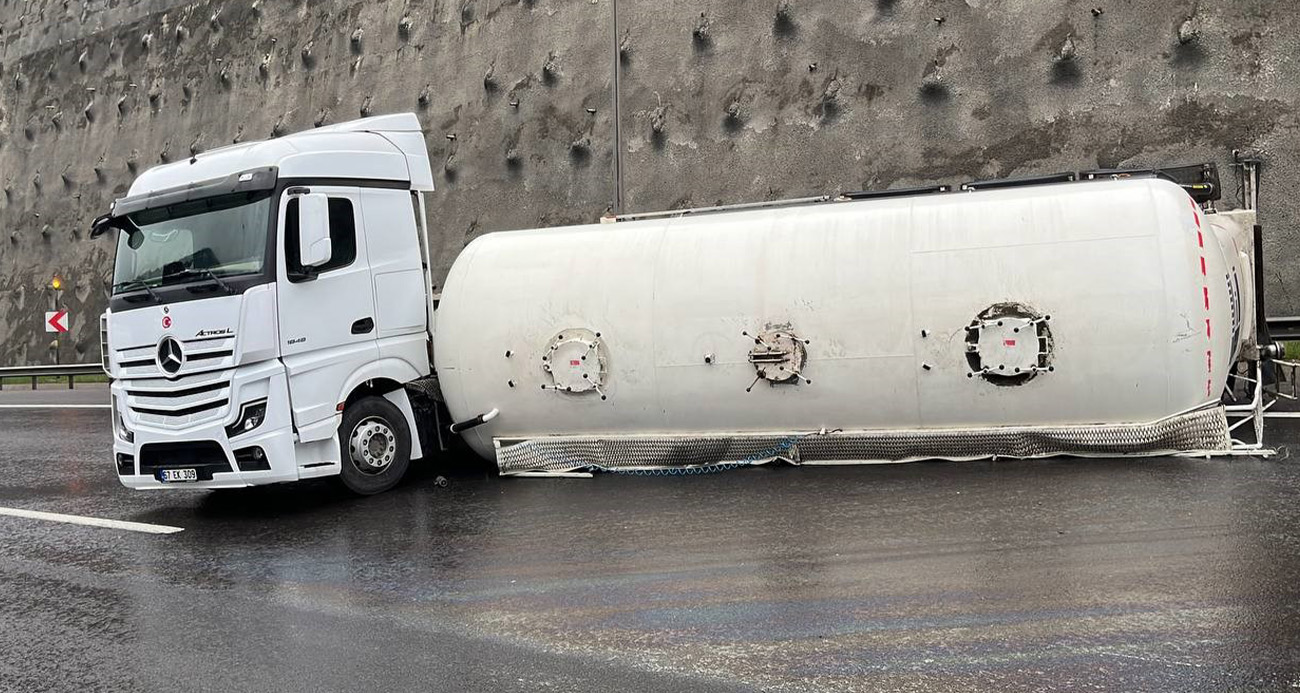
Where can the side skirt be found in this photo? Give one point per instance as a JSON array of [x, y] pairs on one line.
[[1202, 432]]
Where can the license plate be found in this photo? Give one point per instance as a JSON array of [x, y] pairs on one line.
[[178, 475]]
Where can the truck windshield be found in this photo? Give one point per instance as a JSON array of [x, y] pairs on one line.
[[193, 241]]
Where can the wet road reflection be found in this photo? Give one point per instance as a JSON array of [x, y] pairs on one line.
[[1051, 575]]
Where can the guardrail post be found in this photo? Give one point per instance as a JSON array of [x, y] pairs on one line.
[[57, 372]]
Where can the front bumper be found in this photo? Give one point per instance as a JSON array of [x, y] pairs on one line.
[[178, 442]]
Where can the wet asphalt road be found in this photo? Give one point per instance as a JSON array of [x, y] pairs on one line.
[[1162, 574]]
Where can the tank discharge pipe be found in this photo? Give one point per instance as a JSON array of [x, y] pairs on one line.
[[475, 422]]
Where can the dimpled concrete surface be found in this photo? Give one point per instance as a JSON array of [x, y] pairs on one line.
[[725, 101]]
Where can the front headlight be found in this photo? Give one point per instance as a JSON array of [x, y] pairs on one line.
[[119, 424], [251, 415]]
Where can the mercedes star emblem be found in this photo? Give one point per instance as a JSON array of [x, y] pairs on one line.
[[169, 356]]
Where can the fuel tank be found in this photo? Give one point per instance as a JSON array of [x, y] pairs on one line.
[[1094, 317]]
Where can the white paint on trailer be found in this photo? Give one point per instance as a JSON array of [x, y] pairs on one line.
[[883, 290]]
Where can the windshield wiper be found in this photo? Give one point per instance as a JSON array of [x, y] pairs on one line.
[[204, 273], [131, 286], [213, 276]]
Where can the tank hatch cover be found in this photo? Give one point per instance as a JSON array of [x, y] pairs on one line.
[[778, 356], [575, 361], [1009, 344]]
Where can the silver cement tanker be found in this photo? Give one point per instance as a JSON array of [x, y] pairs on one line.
[[1095, 317]]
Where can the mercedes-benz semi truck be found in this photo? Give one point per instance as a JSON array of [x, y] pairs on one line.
[[273, 318]]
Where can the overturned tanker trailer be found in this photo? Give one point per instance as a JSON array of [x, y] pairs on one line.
[[273, 319], [1071, 317]]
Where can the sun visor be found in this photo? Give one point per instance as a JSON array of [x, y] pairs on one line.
[[244, 181]]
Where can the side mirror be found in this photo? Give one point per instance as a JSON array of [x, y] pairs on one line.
[[314, 247], [101, 225], [105, 223]]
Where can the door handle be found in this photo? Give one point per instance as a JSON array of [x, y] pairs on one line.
[[363, 326]]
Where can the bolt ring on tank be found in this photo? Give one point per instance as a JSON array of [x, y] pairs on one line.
[[1009, 344], [576, 362], [372, 446]]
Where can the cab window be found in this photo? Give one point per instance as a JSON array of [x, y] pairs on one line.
[[343, 236]]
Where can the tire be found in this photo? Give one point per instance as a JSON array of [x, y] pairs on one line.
[[375, 444]]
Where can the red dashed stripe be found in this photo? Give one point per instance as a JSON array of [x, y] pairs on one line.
[[1205, 292]]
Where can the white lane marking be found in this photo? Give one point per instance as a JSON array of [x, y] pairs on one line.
[[54, 406], [91, 521]]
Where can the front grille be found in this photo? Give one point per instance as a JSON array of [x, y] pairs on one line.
[[205, 457], [185, 401], [209, 355], [216, 404], [203, 354], [185, 392]]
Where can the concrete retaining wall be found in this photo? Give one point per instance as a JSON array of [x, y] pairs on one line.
[[723, 101]]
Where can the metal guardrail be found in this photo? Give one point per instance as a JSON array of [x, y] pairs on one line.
[[1284, 328], [67, 370]]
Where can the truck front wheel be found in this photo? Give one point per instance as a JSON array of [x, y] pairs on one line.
[[376, 446]]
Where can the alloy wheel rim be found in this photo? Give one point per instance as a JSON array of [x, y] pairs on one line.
[[372, 446]]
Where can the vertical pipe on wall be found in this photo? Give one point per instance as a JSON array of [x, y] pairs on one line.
[[618, 135]]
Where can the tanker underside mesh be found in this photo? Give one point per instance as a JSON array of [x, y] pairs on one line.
[[1204, 431]]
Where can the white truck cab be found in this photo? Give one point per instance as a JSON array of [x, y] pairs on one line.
[[261, 293]]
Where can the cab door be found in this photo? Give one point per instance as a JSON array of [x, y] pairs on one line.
[[326, 314]]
